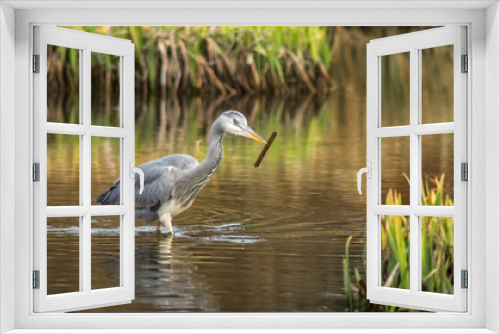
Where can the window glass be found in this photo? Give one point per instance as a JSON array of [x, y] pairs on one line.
[[395, 243], [395, 171], [105, 168], [437, 84], [63, 85], [395, 93], [63, 170], [63, 255], [437, 254], [106, 87], [105, 259], [437, 170]]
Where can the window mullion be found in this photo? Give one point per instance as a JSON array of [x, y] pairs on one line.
[[434, 129], [414, 169], [127, 229], [85, 166], [406, 210], [392, 131], [80, 117], [85, 241], [420, 129]]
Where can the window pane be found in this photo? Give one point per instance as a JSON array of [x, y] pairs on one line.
[[105, 168], [395, 171], [437, 170], [63, 255], [105, 260], [395, 95], [63, 170], [63, 86], [105, 89], [437, 84], [437, 254], [395, 234]]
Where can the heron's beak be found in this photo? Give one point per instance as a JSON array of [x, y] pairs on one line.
[[249, 133]]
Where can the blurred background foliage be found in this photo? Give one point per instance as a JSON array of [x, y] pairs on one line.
[[275, 60]]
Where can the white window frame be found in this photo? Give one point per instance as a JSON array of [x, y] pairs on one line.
[[483, 20], [413, 43], [85, 43]]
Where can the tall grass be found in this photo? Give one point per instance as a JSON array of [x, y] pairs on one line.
[[437, 251], [278, 60], [225, 60]]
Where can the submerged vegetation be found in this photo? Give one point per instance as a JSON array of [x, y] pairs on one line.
[[437, 252]]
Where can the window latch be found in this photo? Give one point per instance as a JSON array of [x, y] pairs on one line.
[[368, 171], [134, 170]]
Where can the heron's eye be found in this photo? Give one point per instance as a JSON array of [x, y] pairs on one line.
[[235, 121]]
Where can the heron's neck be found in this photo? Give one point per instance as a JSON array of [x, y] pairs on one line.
[[204, 171], [215, 151], [191, 181]]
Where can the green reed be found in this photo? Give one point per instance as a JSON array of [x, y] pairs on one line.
[[437, 251], [278, 60], [227, 60]]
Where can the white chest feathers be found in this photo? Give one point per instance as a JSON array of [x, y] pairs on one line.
[[172, 207]]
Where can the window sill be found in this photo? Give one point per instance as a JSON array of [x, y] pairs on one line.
[[251, 331]]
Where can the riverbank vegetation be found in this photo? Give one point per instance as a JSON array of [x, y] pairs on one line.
[[280, 60], [437, 252]]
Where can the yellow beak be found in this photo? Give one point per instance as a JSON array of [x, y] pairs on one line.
[[252, 134]]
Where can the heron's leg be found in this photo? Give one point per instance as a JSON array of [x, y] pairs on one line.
[[169, 224], [166, 220]]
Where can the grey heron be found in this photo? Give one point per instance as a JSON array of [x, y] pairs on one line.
[[171, 183]]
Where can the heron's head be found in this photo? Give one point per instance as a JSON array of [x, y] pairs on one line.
[[234, 122]]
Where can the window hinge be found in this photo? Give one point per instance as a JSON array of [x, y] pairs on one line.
[[36, 172], [36, 279], [464, 279], [464, 171], [36, 63], [465, 64]]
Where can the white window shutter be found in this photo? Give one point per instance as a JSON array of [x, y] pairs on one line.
[[85, 297], [414, 297]]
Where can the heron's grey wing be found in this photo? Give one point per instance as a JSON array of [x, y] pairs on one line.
[[159, 178], [158, 184]]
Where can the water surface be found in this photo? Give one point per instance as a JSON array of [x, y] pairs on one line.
[[267, 239]]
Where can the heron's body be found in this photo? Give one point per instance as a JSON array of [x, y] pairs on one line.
[[172, 183]]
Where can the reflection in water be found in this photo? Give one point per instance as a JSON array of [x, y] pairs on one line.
[[256, 239], [268, 239], [228, 267]]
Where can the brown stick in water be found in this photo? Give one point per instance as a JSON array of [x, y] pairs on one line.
[[264, 150]]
